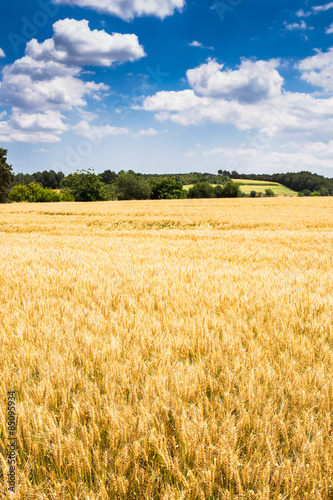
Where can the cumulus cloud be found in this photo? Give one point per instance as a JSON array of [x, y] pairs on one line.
[[33, 127], [251, 82], [318, 69], [47, 81], [40, 85], [73, 43], [251, 97], [129, 9], [2, 54]]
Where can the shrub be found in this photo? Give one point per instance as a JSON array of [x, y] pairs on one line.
[[34, 193], [253, 194], [306, 192], [270, 193], [315, 193]]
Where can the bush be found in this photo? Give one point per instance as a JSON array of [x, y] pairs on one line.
[[315, 193], [34, 193], [324, 191], [270, 193], [167, 189], [201, 190], [253, 194], [300, 194]]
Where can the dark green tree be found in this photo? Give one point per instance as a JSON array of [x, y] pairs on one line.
[[167, 188], [108, 177], [6, 176], [131, 186], [270, 193], [201, 190], [253, 194], [229, 190]]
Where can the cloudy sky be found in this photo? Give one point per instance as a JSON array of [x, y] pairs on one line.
[[167, 85]]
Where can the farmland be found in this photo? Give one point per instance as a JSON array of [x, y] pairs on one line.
[[176, 349], [259, 186]]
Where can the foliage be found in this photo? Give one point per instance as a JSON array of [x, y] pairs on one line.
[[306, 192], [46, 179], [167, 188], [132, 186], [253, 194], [6, 175], [85, 186], [230, 190], [269, 192], [34, 193], [108, 177], [201, 190]]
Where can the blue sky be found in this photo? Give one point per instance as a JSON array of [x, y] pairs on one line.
[[167, 85]]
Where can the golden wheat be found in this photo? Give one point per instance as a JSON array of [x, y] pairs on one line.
[[169, 350]]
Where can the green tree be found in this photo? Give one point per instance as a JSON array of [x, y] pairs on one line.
[[167, 188], [270, 193], [6, 176], [253, 194], [131, 186], [201, 190], [229, 190], [85, 186]]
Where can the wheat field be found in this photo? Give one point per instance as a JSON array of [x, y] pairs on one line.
[[168, 350]]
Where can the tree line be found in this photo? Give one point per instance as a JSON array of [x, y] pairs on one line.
[[49, 186]]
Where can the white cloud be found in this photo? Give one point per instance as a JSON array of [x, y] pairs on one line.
[[42, 150], [47, 81], [329, 29], [146, 132], [129, 9], [251, 97], [195, 44], [41, 85], [190, 154], [2, 54], [301, 13], [200, 45], [251, 82], [322, 8], [297, 26], [318, 69], [73, 43], [292, 159], [33, 127], [98, 132]]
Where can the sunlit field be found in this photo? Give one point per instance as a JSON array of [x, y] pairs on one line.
[[169, 349], [259, 186]]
